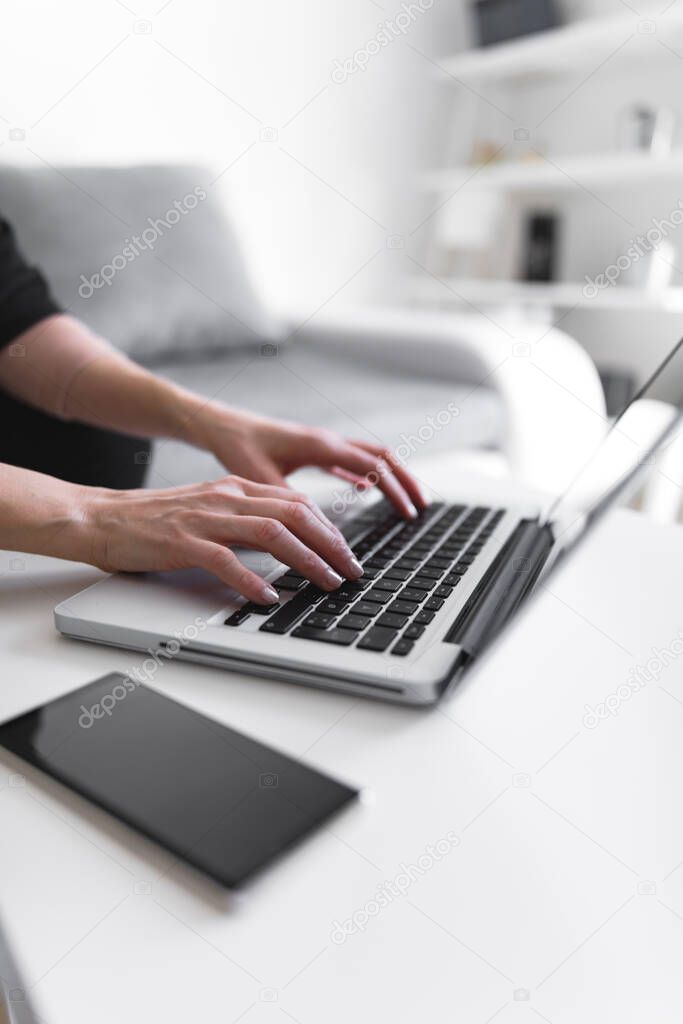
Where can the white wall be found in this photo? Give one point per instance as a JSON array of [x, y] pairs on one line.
[[317, 204]]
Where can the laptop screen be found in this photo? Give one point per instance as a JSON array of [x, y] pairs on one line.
[[636, 443]]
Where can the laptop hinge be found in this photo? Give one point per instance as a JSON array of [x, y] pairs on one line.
[[500, 592]]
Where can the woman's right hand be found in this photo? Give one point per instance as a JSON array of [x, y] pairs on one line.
[[195, 527]]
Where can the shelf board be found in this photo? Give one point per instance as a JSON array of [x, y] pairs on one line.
[[562, 295], [570, 48], [560, 173]]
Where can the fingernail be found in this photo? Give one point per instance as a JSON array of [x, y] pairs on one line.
[[269, 594], [356, 568], [412, 511], [332, 578]]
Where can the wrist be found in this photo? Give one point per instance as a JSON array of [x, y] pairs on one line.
[[45, 516], [212, 426], [71, 530]]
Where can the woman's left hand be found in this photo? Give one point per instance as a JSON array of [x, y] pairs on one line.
[[267, 450]]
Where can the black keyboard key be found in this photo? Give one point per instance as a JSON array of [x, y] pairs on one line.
[[424, 617], [397, 574], [452, 579], [378, 596], [239, 616], [319, 621], [355, 622], [290, 582], [410, 594], [402, 647], [385, 584], [365, 608], [443, 591], [434, 604], [376, 639], [439, 563], [288, 614], [261, 609], [431, 573], [460, 569], [360, 550], [377, 562], [334, 605], [408, 563], [341, 637], [414, 631], [422, 583], [351, 588], [392, 621], [370, 574], [403, 607]]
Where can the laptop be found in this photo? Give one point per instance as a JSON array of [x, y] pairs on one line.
[[436, 591]]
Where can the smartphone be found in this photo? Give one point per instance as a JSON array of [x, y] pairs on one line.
[[218, 799]]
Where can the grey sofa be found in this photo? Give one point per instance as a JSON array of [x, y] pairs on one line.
[[147, 257]]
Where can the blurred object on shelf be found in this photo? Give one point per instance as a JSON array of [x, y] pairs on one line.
[[466, 230], [541, 237], [660, 267], [647, 129], [497, 21], [487, 153], [653, 271], [484, 151]]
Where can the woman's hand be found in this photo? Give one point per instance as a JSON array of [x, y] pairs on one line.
[[194, 526], [267, 450]]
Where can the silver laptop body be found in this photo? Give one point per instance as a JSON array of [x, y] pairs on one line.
[[484, 563]]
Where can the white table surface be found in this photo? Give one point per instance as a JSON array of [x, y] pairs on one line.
[[560, 899]]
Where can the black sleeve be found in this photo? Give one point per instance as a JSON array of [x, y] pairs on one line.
[[25, 298]]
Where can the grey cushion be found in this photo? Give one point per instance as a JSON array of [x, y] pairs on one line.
[[329, 387], [183, 287]]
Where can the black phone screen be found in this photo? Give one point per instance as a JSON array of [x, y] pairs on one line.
[[220, 800]]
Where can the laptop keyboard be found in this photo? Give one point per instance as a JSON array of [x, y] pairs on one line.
[[411, 568]]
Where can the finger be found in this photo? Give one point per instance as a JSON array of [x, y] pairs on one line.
[[406, 479], [300, 521], [258, 467], [255, 490], [224, 563], [352, 478], [355, 460], [272, 536]]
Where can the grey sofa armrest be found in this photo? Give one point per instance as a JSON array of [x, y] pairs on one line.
[[551, 392]]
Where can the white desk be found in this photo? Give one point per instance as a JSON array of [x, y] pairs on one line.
[[560, 901]]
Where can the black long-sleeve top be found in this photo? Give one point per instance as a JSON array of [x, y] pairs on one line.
[[25, 298]]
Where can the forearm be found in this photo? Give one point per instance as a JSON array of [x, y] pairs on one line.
[[62, 368], [42, 515]]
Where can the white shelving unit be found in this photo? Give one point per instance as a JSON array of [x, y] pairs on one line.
[[574, 50], [560, 173], [561, 296], [582, 44]]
